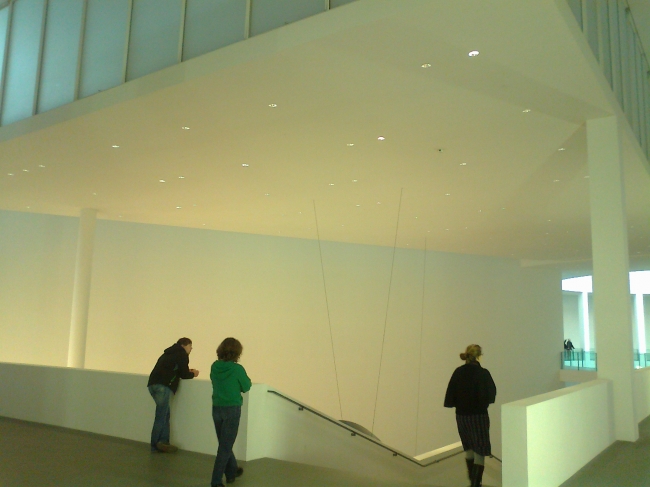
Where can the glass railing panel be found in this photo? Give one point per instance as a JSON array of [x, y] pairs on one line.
[[578, 360]]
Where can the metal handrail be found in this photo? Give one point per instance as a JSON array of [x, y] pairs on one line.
[[396, 453]]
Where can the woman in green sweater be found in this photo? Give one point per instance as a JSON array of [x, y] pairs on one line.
[[229, 380]]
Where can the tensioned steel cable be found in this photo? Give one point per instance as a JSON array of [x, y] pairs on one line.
[[417, 411], [327, 305], [390, 285]]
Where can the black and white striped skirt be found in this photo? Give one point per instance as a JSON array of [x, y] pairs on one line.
[[474, 431]]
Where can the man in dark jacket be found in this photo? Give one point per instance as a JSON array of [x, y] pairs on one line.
[[172, 366]]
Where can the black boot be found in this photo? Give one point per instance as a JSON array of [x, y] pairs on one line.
[[477, 475], [470, 469]]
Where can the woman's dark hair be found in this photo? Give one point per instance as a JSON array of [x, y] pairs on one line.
[[230, 350], [472, 353], [184, 341]]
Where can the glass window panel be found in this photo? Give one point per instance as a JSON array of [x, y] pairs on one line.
[[592, 27], [60, 53], [22, 64], [270, 14], [155, 36], [104, 49], [606, 61], [576, 8], [4, 18], [338, 3], [211, 24], [615, 44]]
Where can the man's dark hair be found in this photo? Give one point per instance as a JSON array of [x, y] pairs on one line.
[[230, 350], [184, 341]]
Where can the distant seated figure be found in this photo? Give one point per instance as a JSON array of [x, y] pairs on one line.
[[568, 346]]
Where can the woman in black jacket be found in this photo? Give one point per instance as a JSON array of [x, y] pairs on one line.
[[471, 390]]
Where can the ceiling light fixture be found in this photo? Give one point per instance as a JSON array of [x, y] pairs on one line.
[[10, 174], [350, 145], [244, 165], [181, 177], [355, 180], [447, 194], [426, 65], [185, 128], [41, 165], [556, 180], [162, 181], [381, 137], [272, 105], [463, 164], [331, 184], [561, 149], [179, 207], [358, 206], [25, 170], [527, 110], [115, 146], [267, 194], [473, 53]]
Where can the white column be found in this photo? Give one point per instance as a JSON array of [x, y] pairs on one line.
[[612, 310], [81, 291]]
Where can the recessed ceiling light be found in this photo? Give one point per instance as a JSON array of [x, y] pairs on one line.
[[473, 53], [561, 149], [556, 180], [94, 194], [331, 184], [25, 170], [527, 110], [181, 177], [115, 146], [350, 145], [10, 174], [355, 180], [244, 165], [358, 206], [447, 194], [41, 165], [28, 207], [185, 128], [379, 202], [426, 65], [463, 164], [416, 217], [267, 194], [272, 105], [381, 137], [179, 207], [162, 181]]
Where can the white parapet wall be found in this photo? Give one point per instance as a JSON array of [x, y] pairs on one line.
[[548, 438], [642, 394], [119, 405]]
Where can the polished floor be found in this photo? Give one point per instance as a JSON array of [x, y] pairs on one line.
[[34, 455], [623, 464]]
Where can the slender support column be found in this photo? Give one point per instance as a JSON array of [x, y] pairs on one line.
[[612, 310], [81, 292]]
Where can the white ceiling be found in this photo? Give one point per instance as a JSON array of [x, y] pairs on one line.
[[463, 168]]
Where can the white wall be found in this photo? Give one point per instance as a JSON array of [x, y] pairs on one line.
[[550, 437], [153, 284]]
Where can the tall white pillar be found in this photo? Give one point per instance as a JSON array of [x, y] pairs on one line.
[[81, 291], [612, 310]]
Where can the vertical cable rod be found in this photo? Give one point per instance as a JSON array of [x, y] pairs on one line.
[[417, 411], [327, 305], [390, 285]]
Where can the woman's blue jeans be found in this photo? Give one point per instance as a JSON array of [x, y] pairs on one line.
[[226, 424], [160, 432]]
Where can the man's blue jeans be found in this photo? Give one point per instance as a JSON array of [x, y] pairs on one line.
[[226, 424], [160, 432]]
